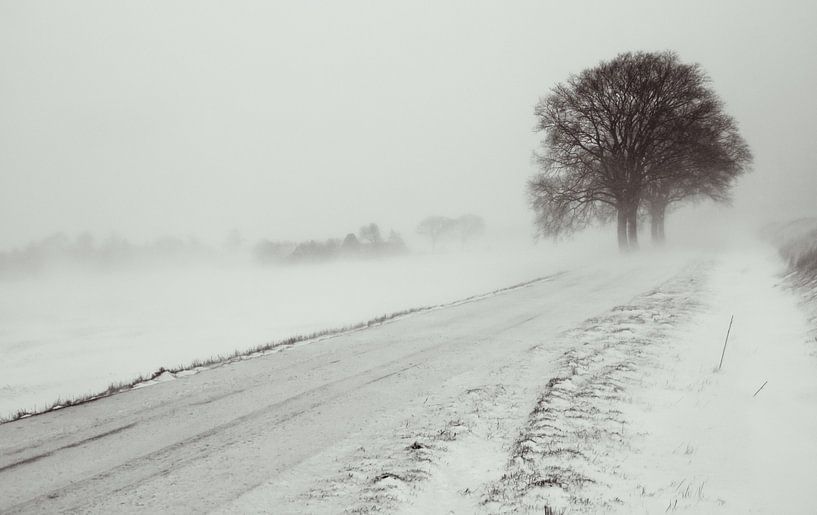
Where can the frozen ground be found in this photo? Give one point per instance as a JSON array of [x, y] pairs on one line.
[[594, 390], [68, 334]]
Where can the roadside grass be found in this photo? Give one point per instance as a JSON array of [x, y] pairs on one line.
[[198, 365], [801, 255], [797, 244], [565, 457]]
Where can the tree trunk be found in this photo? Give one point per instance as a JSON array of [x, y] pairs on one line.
[[627, 226], [632, 226], [657, 215], [622, 229]]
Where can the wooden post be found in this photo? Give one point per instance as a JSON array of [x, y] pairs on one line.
[[758, 390], [725, 341]]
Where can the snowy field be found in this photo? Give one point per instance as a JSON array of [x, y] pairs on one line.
[[67, 334]]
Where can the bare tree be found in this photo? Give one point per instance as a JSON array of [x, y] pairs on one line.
[[615, 131], [434, 227], [395, 244], [568, 202], [371, 233], [707, 171], [350, 244]]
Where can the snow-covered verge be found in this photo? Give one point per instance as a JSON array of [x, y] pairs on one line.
[[739, 439], [797, 244]]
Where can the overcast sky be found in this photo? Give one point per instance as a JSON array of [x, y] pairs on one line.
[[307, 119]]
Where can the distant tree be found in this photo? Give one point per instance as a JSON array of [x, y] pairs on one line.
[[395, 243], [315, 251], [370, 234], [168, 245], [434, 227], [469, 228], [627, 128], [268, 251], [57, 242], [85, 242], [350, 245], [84, 249], [116, 249]]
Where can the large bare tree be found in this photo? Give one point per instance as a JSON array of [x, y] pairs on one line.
[[435, 227], [637, 124], [716, 158]]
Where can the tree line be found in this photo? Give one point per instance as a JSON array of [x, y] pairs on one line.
[[626, 140], [113, 251], [368, 242]]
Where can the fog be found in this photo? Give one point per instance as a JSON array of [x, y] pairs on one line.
[[186, 133], [297, 120]]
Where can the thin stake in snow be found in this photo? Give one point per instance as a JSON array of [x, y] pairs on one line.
[[758, 390], [725, 341]]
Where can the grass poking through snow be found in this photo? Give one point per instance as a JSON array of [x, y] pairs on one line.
[[565, 456]]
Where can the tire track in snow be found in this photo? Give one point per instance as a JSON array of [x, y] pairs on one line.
[[149, 466], [79, 443]]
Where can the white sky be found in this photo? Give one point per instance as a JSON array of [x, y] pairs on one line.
[[307, 119]]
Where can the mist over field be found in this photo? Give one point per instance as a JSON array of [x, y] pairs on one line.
[[73, 330]]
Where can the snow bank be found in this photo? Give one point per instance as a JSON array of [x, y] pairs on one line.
[[709, 441]]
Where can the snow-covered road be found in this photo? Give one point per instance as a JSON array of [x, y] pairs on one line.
[[498, 404], [223, 436]]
